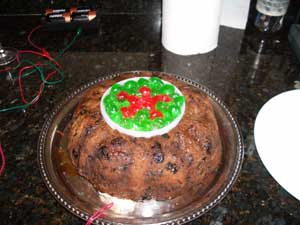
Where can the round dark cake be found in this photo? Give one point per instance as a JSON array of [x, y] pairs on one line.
[[184, 160]]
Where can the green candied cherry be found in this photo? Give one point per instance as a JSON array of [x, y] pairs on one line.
[[142, 115], [160, 106], [127, 123], [179, 101], [143, 82], [175, 95], [112, 109], [155, 83], [144, 125], [167, 116], [116, 88], [122, 103], [142, 119], [117, 117], [131, 87], [174, 111], [109, 99], [167, 89], [158, 123], [153, 93]]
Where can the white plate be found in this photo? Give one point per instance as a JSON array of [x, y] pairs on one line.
[[134, 133], [277, 139]]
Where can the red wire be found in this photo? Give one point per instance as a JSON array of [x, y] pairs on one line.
[[98, 214], [29, 37], [6, 69], [31, 43], [3, 160], [43, 53], [40, 87], [21, 88]]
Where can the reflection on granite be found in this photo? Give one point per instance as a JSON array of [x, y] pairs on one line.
[[106, 6], [244, 79], [203, 69], [129, 33]]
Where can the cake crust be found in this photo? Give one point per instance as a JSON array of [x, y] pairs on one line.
[[184, 160]]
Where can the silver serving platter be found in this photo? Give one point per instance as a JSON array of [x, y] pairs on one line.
[[79, 197]]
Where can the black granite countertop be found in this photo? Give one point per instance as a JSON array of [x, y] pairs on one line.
[[243, 78]]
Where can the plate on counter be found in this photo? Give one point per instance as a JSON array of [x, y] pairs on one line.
[[79, 197], [277, 139]]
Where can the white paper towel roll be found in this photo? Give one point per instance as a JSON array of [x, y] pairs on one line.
[[190, 26]]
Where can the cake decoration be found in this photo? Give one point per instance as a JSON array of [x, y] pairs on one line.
[[137, 106], [146, 101]]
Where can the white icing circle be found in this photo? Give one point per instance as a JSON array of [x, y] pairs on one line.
[[134, 133]]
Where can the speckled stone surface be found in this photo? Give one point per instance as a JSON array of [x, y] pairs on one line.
[[104, 6], [244, 79]]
